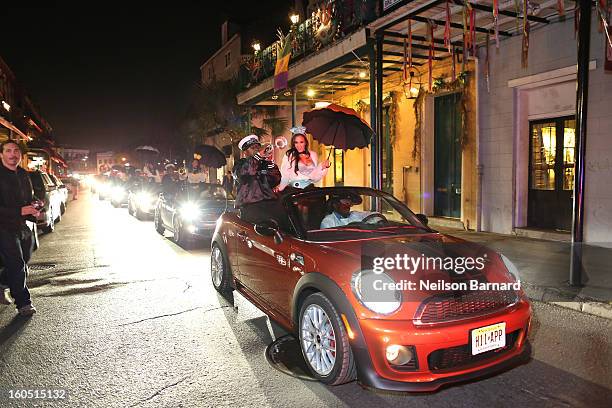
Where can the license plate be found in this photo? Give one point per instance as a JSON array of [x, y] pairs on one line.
[[488, 338]]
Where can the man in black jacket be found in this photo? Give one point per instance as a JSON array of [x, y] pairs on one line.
[[16, 206], [255, 180]]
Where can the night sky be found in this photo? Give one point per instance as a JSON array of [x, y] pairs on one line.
[[107, 77]]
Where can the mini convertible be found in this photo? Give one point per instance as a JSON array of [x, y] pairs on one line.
[[308, 276]]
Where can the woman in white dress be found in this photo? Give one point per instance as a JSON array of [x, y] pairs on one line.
[[300, 167]]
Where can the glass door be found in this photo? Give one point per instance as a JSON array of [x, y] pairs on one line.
[[551, 173]]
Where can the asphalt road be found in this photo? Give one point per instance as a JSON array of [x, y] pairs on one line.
[[127, 318]]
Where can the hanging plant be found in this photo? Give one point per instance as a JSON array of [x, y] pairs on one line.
[[441, 84], [391, 100], [361, 106], [418, 122]]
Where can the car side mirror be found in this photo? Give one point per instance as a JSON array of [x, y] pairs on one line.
[[423, 218], [269, 229]]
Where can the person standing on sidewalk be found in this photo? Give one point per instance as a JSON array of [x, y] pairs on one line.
[[17, 205]]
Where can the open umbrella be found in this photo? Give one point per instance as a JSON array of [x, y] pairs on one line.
[[210, 156], [338, 126], [147, 149]]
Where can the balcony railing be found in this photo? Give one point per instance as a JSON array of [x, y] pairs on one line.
[[330, 20]]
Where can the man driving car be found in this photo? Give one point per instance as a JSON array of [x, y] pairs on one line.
[[341, 214]]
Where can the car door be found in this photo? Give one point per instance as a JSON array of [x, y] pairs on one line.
[[166, 207], [53, 193], [264, 265]]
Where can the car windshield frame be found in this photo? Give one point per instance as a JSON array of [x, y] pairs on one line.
[[193, 191], [290, 200]]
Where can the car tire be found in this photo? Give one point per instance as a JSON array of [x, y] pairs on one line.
[[319, 339], [138, 214], [50, 227], [62, 208], [179, 235], [58, 219], [159, 227], [220, 272]]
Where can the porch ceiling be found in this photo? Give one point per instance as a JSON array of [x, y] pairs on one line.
[[394, 30]]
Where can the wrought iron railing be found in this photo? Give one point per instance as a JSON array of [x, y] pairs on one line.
[[330, 20]]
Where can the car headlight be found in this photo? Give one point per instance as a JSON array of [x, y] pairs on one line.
[[189, 211], [376, 292]]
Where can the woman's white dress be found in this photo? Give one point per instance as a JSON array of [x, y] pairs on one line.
[[307, 174]]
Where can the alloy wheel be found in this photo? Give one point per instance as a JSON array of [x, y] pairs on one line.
[[216, 266], [318, 340]]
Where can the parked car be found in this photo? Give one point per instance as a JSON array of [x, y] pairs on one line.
[[62, 189], [142, 198], [46, 191], [311, 276], [190, 210]]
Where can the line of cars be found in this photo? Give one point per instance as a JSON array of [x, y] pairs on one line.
[[315, 281], [188, 210]]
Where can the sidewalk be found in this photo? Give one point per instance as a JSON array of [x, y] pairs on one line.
[[544, 270]]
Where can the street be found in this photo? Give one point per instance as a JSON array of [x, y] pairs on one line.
[[128, 318]]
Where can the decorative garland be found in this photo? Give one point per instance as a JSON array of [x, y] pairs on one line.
[[418, 116], [361, 106]]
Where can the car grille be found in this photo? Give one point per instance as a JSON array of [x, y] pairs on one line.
[[461, 356], [452, 306]]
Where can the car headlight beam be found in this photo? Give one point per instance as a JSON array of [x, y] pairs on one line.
[[189, 211]]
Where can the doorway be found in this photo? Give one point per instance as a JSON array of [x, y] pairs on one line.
[[551, 173], [447, 155]]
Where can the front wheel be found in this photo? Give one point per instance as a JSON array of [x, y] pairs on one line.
[[50, 227], [159, 227], [324, 341], [219, 271]]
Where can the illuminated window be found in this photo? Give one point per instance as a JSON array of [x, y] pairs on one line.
[[569, 143], [543, 153]]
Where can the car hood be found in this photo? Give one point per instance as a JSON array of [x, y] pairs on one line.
[[426, 280]]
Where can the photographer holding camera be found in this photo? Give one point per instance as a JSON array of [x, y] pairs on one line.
[[17, 204], [256, 178]]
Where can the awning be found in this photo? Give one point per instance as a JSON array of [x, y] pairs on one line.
[[432, 14]]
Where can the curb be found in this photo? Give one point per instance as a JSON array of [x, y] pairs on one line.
[[557, 297]]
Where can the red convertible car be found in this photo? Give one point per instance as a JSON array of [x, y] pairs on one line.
[[313, 275]]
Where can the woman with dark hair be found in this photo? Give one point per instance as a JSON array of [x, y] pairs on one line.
[[300, 167]]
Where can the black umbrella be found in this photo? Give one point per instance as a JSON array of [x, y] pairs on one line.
[[338, 126], [210, 156]]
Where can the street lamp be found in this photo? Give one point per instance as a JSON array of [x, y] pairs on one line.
[[256, 46], [310, 93], [295, 18]]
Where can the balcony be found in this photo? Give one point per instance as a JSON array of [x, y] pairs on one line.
[[329, 21]]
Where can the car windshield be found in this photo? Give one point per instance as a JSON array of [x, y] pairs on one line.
[[338, 214], [204, 191]]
